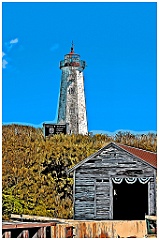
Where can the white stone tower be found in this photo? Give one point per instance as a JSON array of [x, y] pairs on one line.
[[72, 107]]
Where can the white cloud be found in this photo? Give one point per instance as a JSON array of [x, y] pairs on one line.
[[14, 41], [3, 54], [8, 46], [4, 63]]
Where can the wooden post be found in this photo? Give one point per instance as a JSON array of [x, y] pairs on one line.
[[155, 192], [53, 231], [41, 233], [95, 198], [149, 205], [6, 234], [74, 194], [111, 199], [69, 232], [26, 233]]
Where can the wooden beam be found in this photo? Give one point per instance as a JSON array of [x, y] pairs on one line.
[[74, 179], [111, 199], [151, 217], [35, 218], [26, 233], [94, 198], [6, 234], [26, 225]]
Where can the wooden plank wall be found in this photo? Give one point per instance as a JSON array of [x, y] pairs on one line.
[[152, 196], [84, 198], [102, 199]]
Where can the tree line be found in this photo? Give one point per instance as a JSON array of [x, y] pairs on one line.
[[34, 168]]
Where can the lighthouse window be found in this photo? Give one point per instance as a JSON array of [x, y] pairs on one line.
[[71, 91], [72, 110]]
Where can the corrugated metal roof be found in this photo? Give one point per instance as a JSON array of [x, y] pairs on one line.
[[149, 157]]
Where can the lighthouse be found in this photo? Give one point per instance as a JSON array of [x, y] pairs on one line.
[[72, 105]]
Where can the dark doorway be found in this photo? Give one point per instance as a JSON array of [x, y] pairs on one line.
[[130, 201]]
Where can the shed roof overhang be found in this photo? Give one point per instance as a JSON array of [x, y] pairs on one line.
[[134, 152]]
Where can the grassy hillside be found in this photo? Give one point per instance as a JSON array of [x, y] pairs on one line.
[[34, 168]]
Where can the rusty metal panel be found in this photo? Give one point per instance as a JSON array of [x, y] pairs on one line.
[[63, 231], [94, 230], [53, 231], [69, 232], [109, 229], [84, 230], [59, 231]]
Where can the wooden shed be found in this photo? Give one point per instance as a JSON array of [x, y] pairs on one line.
[[118, 182]]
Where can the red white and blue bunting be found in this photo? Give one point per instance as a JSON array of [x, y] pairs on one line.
[[131, 180], [144, 180], [117, 180]]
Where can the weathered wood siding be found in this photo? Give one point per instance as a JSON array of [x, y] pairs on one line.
[[93, 185], [84, 198], [152, 196], [102, 199]]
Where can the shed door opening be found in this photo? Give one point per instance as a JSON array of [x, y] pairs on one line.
[[130, 201]]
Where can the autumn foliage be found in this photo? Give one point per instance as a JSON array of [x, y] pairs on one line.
[[34, 168]]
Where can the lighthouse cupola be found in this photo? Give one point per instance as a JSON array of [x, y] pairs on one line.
[[73, 60]]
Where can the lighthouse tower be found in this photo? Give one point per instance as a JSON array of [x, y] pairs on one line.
[[72, 107]]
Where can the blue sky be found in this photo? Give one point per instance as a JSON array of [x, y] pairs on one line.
[[118, 42]]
